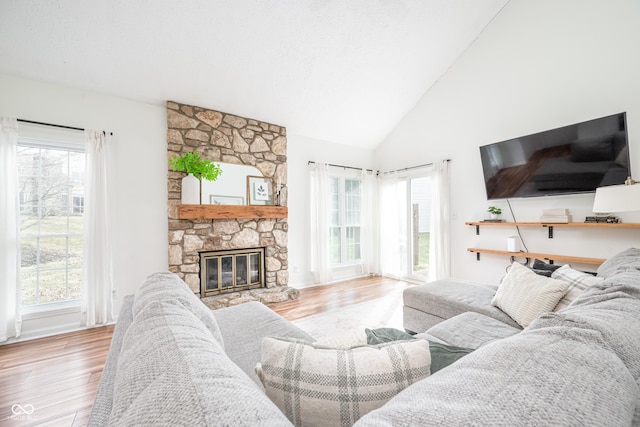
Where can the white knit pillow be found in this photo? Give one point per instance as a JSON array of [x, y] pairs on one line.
[[319, 386], [578, 281], [525, 295]]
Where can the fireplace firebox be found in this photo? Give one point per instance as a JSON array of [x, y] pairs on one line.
[[231, 271]]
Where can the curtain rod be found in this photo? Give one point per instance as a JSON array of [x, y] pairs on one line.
[[311, 162], [56, 126], [414, 167]]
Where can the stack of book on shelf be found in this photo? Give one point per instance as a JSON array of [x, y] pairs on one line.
[[557, 216]]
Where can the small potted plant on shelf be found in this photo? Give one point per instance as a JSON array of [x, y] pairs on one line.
[[495, 212], [197, 169]]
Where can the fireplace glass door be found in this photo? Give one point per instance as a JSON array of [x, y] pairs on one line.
[[231, 271]]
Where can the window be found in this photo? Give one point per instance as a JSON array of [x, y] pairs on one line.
[[51, 178], [345, 225]]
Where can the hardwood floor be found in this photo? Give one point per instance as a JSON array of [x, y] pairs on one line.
[[54, 380]]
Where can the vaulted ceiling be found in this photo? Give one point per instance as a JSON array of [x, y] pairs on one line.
[[338, 70]]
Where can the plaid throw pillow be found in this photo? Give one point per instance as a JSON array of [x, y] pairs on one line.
[[578, 281], [315, 385]]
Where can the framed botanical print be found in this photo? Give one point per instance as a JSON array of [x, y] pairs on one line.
[[259, 190]]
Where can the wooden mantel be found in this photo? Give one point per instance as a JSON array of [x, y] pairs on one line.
[[231, 211]]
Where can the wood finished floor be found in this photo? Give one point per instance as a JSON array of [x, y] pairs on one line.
[[59, 375]]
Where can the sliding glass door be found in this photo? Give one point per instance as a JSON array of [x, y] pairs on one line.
[[419, 225], [405, 225]]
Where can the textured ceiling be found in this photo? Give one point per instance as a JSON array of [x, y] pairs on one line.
[[338, 70]]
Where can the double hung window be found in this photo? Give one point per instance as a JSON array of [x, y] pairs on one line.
[[345, 220], [51, 179]]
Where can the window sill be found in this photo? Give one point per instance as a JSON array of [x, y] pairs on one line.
[[38, 311]]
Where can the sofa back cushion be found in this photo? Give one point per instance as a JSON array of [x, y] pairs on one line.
[[169, 287], [171, 371], [629, 259]]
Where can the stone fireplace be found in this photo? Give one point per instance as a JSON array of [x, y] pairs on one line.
[[227, 138]]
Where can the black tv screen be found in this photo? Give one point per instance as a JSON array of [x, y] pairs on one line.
[[572, 159]]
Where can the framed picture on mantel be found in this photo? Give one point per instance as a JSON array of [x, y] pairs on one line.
[[259, 190], [226, 200]]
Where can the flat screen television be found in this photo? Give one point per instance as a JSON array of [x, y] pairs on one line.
[[572, 159]]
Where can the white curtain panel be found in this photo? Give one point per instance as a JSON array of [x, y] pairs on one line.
[[439, 249], [319, 204], [393, 226], [10, 318], [369, 238], [97, 275]]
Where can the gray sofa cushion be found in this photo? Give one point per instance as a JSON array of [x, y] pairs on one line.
[[447, 298], [244, 326], [628, 259], [172, 371], [470, 330], [611, 312], [169, 287], [549, 376]]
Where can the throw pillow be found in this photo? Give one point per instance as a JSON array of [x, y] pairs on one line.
[[578, 281], [319, 386], [524, 295], [354, 338], [442, 355], [543, 268], [384, 335]]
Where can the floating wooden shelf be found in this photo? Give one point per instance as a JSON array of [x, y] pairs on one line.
[[231, 211], [547, 257], [556, 224], [551, 225]]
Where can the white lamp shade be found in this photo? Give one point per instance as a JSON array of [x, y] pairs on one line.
[[617, 198]]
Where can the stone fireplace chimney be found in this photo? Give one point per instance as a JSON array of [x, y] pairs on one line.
[[227, 138]]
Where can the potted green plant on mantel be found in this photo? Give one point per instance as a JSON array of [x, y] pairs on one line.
[[197, 169]]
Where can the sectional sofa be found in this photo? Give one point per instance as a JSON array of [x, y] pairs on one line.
[[174, 362]]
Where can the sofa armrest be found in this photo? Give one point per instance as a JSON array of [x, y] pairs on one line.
[[101, 410]]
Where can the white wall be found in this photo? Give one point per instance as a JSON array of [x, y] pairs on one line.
[[301, 150], [539, 65], [139, 173]]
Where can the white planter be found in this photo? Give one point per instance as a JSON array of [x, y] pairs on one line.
[[190, 190]]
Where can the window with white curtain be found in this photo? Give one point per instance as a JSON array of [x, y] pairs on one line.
[[345, 220], [51, 179]]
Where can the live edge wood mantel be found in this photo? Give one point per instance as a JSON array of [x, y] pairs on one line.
[[231, 211]]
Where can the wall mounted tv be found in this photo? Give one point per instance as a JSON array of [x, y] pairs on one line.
[[572, 159]]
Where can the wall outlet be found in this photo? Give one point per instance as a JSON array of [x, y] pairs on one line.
[[114, 294]]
